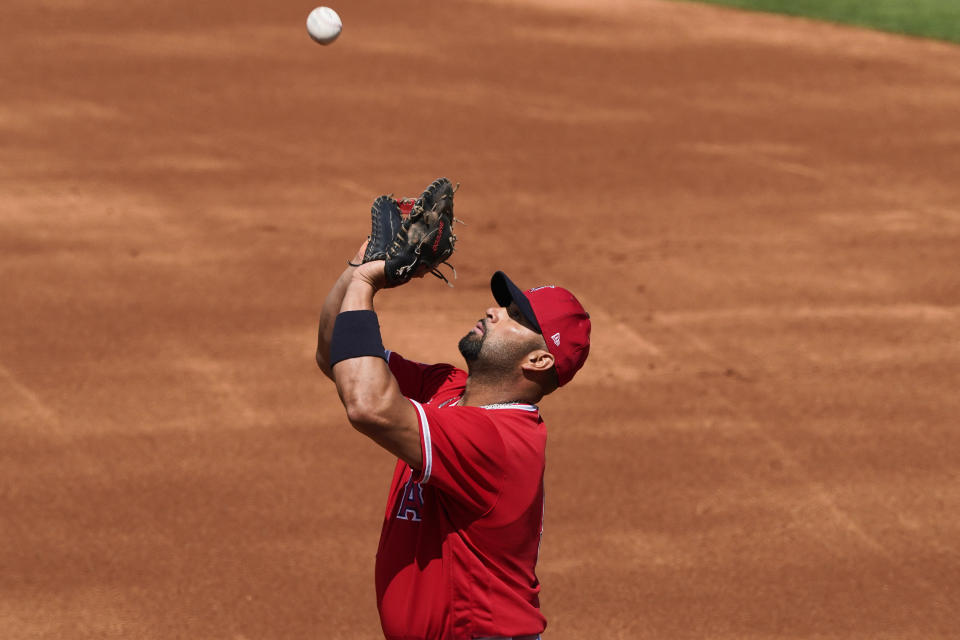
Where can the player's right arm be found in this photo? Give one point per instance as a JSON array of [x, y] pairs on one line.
[[374, 403], [328, 314]]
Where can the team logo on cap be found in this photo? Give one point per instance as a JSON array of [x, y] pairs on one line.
[[556, 338], [546, 286]]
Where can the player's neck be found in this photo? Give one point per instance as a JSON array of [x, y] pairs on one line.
[[479, 393]]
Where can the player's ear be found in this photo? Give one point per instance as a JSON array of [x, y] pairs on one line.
[[538, 360]]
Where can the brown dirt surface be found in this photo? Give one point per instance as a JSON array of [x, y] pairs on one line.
[[760, 213]]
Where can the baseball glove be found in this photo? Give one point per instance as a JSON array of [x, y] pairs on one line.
[[413, 235]]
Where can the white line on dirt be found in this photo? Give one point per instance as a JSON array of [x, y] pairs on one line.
[[36, 403], [818, 490], [605, 319]]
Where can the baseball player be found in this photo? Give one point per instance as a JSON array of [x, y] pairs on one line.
[[462, 527]]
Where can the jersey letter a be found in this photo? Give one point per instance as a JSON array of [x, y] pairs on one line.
[[412, 502]]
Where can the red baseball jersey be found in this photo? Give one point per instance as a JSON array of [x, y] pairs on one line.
[[461, 536]]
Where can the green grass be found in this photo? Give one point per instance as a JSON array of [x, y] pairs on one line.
[[939, 19]]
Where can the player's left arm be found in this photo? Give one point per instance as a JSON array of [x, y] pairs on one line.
[[369, 392]]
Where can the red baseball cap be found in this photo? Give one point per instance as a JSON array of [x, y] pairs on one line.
[[557, 315]]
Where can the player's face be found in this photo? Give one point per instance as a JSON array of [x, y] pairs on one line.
[[500, 339]]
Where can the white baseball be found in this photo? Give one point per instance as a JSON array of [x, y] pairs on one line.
[[324, 25]]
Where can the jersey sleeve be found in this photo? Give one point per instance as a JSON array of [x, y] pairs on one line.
[[419, 381], [463, 454]]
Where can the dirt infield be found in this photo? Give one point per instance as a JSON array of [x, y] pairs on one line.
[[761, 215]]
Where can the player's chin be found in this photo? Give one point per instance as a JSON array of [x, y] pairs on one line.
[[470, 345]]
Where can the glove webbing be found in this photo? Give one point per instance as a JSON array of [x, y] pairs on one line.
[[434, 271]]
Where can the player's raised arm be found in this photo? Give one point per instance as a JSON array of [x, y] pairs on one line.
[[408, 239], [369, 393]]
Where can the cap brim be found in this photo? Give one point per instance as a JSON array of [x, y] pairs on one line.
[[505, 292]]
